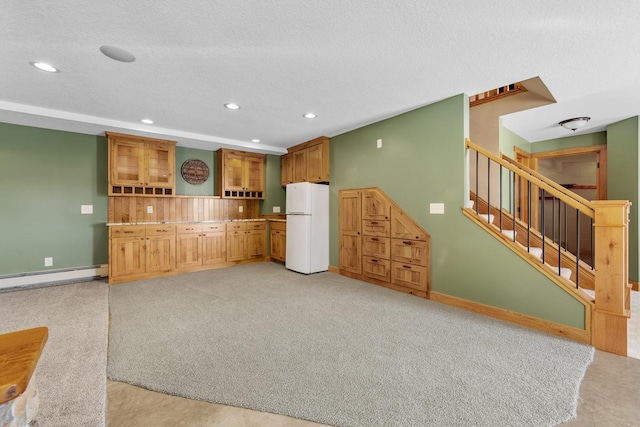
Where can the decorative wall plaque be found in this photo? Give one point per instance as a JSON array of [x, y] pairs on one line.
[[194, 171]]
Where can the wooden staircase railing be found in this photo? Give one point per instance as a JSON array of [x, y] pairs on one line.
[[607, 274]]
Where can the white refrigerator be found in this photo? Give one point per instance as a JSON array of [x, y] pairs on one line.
[[307, 227]]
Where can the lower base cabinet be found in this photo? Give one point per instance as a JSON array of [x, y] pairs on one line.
[[278, 240], [141, 250], [246, 240], [200, 245], [145, 251]]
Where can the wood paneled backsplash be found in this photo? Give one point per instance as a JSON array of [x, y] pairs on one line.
[[131, 209]]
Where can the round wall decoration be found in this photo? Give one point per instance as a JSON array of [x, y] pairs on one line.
[[195, 171]]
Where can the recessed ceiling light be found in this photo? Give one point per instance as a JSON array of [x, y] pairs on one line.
[[45, 67], [117, 53], [147, 121], [255, 140], [232, 106], [309, 115]]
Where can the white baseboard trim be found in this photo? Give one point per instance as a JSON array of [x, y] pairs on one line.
[[54, 276]]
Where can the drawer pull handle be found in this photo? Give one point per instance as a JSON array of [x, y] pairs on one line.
[[374, 239], [129, 232], [374, 222], [407, 266], [161, 231], [374, 260], [407, 243]]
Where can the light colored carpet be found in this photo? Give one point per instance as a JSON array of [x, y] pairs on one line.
[[71, 374], [337, 351]]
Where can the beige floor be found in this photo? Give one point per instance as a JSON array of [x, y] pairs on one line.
[[609, 396]]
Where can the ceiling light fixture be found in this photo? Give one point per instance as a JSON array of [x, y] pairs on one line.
[[575, 123], [43, 66], [147, 121], [232, 106], [117, 54], [309, 115], [255, 140]]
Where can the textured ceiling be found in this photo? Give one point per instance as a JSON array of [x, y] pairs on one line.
[[352, 62]]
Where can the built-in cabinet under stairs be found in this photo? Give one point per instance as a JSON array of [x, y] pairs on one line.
[[544, 223]]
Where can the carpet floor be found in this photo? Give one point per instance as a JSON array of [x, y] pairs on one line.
[[337, 351], [71, 373]]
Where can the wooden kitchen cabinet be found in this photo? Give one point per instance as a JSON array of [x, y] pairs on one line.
[[240, 174], [138, 252], [200, 245], [246, 240], [140, 166], [306, 162], [286, 169], [278, 240], [380, 243], [350, 225]]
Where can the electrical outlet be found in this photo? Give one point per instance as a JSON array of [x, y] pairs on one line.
[[276, 209], [436, 208], [240, 209], [379, 143], [149, 209], [86, 209], [48, 261]]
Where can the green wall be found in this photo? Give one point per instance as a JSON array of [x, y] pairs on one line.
[[422, 162], [275, 194], [622, 178], [45, 176], [182, 186]]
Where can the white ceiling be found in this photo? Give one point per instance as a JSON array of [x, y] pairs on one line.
[[353, 62]]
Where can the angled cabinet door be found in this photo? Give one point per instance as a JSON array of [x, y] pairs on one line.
[[375, 206]]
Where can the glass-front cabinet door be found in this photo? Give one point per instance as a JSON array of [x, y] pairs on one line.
[[254, 173], [233, 172], [160, 165], [128, 163]]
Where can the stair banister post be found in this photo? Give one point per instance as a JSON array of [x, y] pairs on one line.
[[611, 230]]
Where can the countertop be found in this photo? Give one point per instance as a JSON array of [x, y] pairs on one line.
[[110, 224]]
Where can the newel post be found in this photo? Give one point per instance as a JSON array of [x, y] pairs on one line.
[[611, 232]]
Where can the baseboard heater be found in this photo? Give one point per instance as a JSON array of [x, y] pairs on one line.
[[53, 276]]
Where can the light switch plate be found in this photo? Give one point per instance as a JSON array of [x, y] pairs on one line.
[[149, 209], [379, 143], [86, 209], [240, 209], [276, 209], [436, 208]]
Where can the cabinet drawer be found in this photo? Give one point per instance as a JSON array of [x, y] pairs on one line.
[[376, 268], [277, 225], [236, 226], [376, 228], [377, 247], [160, 230], [256, 225], [411, 276], [213, 227], [410, 251], [127, 231], [189, 228]]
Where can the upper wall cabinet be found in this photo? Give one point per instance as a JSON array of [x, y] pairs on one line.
[[240, 174], [306, 162], [140, 166]]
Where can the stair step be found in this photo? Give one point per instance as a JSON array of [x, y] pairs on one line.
[[487, 217], [564, 272], [537, 252], [511, 234]]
